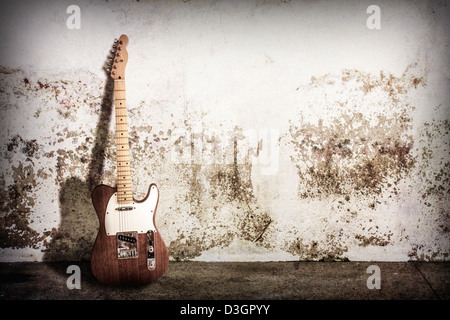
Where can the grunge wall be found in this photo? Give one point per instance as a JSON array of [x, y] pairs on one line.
[[275, 130]]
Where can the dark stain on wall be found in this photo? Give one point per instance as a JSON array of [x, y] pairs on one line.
[[434, 180], [331, 250], [351, 155], [435, 139], [16, 203], [372, 157], [214, 186], [29, 148]]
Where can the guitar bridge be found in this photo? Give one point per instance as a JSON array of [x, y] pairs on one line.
[[127, 245]]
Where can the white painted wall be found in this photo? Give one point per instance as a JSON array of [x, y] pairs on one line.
[[271, 72]]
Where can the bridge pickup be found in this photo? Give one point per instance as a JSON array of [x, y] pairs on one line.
[[151, 262], [127, 208], [127, 245]]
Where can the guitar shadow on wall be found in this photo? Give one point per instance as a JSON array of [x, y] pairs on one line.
[[74, 239]]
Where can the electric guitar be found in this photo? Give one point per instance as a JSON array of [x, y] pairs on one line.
[[129, 249]]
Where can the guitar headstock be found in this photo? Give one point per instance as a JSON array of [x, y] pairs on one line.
[[120, 59]]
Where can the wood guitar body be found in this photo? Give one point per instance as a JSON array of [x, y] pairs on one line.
[[106, 265]]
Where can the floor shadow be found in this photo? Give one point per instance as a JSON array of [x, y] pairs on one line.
[[74, 239]]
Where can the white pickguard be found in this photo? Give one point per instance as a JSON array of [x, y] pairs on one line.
[[139, 218]]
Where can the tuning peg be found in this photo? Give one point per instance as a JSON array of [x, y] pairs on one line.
[[108, 70], [112, 51], [115, 40]]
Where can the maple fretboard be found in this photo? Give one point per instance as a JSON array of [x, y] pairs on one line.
[[124, 190]]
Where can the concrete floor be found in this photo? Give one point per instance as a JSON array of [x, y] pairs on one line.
[[237, 281]]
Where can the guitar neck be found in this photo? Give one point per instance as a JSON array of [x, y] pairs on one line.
[[124, 190]]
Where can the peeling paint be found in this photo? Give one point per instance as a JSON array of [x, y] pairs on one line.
[[356, 154], [221, 194], [16, 205]]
